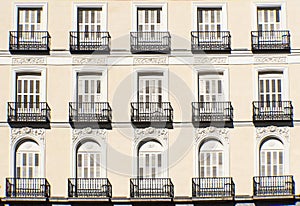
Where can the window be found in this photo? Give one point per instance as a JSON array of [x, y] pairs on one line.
[[29, 19], [89, 88], [28, 160], [210, 87], [209, 19], [28, 92], [150, 160], [211, 159], [270, 86], [149, 19], [271, 158], [89, 23], [88, 160], [268, 19], [150, 88]]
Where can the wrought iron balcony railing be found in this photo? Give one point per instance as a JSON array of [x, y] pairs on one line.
[[273, 186], [89, 112], [216, 187], [28, 112], [212, 111], [29, 41], [272, 111], [151, 112], [27, 187], [89, 187], [151, 188], [210, 41], [150, 42], [270, 40], [88, 42]]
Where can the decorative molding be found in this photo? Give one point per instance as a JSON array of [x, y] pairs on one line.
[[79, 134], [159, 134], [37, 135], [219, 133], [263, 132], [29, 60], [210, 60], [150, 60], [89, 60], [270, 59]]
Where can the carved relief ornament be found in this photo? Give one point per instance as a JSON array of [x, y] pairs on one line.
[[37, 135], [263, 132], [29, 60], [159, 134], [150, 60], [218, 133], [79, 134]]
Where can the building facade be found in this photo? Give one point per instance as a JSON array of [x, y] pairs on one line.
[[169, 102]]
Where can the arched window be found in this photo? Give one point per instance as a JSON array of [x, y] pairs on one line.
[[88, 160], [271, 158], [150, 159], [211, 159], [28, 160]]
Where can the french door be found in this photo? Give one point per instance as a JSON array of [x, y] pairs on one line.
[[209, 19], [88, 161], [29, 20], [271, 158], [28, 93], [27, 161], [211, 160], [270, 90], [150, 160], [268, 19], [89, 92], [89, 23]]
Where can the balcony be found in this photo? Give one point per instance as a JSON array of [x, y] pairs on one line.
[[150, 42], [272, 113], [92, 114], [27, 188], [32, 114], [24, 42], [273, 186], [218, 114], [89, 188], [213, 187], [210, 41], [154, 114], [89, 42], [272, 41], [151, 188]]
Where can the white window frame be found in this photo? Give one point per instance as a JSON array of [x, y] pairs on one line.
[[101, 5], [226, 158], [165, 78], [196, 5], [198, 70], [20, 70], [285, 85], [43, 5], [164, 13], [286, 154], [280, 4], [96, 70], [93, 137]]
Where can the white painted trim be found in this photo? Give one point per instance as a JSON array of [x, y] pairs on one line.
[[272, 135], [102, 5], [281, 4], [285, 80], [90, 69], [93, 137], [165, 84], [164, 13], [196, 5], [26, 69], [212, 136], [162, 139], [43, 5], [198, 69]]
